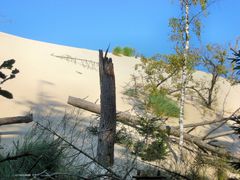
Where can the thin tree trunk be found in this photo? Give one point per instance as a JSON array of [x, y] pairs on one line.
[[107, 127], [184, 77]]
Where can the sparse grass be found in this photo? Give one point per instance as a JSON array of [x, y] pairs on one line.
[[45, 154], [161, 105], [126, 51], [117, 51]]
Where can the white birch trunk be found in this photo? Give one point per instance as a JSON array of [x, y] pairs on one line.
[[184, 77]]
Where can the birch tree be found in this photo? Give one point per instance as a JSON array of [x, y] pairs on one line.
[[181, 34]]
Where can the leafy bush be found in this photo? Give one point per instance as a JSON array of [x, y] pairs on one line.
[[154, 145], [127, 51], [117, 51], [156, 150]]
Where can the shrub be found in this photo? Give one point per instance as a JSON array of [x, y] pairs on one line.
[[117, 51], [127, 51], [154, 145]]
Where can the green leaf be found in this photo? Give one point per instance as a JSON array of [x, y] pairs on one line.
[[2, 75], [237, 68], [8, 64], [15, 71], [6, 94]]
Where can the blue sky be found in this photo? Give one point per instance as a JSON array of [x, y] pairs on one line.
[[93, 24]]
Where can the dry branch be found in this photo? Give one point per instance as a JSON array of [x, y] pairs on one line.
[[130, 120], [16, 120], [226, 133], [233, 118]]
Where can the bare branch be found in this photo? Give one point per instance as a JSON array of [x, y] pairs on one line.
[[16, 120]]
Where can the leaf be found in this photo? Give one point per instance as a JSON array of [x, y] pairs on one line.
[[237, 68], [2, 75], [8, 64], [12, 76], [15, 71], [6, 94]]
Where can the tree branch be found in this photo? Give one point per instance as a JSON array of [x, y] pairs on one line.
[[16, 120]]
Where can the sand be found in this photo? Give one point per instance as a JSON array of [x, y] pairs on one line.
[[45, 81]]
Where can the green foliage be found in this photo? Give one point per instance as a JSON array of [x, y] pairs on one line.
[[177, 29], [217, 165], [236, 61], [117, 51], [156, 71], [213, 60], [41, 155], [154, 146], [93, 130], [149, 89], [126, 51], [161, 105], [7, 65], [123, 137]]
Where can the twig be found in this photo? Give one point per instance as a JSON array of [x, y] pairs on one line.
[[10, 158], [220, 134], [220, 125], [37, 161]]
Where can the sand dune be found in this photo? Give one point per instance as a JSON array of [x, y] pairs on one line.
[[46, 81]]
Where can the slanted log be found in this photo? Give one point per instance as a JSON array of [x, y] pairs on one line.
[[16, 120], [123, 118], [83, 104]]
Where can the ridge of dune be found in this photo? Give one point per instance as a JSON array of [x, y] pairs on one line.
[[45, 76]]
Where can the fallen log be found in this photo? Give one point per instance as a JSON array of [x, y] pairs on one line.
[[130, 120], [16, 120], [123, 117]]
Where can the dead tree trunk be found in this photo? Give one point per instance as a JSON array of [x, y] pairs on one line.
[[107, 127]]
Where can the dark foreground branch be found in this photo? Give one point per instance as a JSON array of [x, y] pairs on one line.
[[10, 158]]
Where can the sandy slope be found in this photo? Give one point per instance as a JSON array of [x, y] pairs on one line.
[[46, 81]]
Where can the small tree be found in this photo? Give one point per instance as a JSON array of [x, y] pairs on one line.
[[149, 88], [181, 34], [4, 77], [214, 62]]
